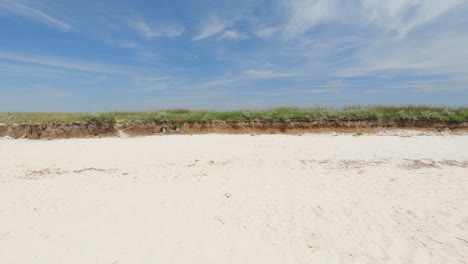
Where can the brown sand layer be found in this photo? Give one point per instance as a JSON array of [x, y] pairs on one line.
[[316, 198], [141, 128]]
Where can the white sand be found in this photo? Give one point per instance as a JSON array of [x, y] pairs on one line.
[[235, 199]]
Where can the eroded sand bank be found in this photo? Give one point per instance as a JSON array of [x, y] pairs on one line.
[[235, 199]]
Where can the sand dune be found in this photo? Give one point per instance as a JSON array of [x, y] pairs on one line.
[[235, 199]]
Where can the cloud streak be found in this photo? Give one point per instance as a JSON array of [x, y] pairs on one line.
[[232, 35], [404, 16], [33, 14], [77, 65], [268, 74], [163, 30], [211, 27], [400, 16]]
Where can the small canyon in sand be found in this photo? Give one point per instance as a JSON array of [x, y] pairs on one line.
[[399, 197]]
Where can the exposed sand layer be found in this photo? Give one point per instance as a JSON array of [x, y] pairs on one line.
[[235, 199], [144, 128]]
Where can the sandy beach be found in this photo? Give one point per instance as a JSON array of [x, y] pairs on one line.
[[323, 198]]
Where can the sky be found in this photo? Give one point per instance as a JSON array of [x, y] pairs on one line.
[[124, 55]]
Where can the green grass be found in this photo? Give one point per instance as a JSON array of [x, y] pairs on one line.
[[284, 114], [359, 133]]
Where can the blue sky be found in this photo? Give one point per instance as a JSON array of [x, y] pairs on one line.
[[68, 55]]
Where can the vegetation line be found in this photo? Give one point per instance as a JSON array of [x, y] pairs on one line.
[[283, 114]]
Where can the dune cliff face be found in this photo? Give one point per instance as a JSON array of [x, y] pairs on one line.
[[57, 130], [139, 128]]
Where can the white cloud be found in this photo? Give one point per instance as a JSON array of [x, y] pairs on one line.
[[211, 27], [364, 38], [267, 74], [10, 69], [405, 15], [147, 56], [443, 53], [315, 91], [162, 30], [31, 13], [232, 35], [266, 32], [430, 86], [69, 64], [401, 16], [222, 82], [305, 14]]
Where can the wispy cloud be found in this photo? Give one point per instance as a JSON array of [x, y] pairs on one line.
[[162, 30], [34, 14], [70, 64], [220, 82], [400, 16], [430, 86], [211, 27], [147, 56], [13, 70], [405, 38], [232, 35], [422, 54], [268, 74], [404, 16], [305, 14], [317, 91], [266, 32]]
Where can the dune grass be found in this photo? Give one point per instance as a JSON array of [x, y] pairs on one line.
[[284, 114]]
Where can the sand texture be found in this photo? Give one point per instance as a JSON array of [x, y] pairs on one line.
[[235, 199]]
